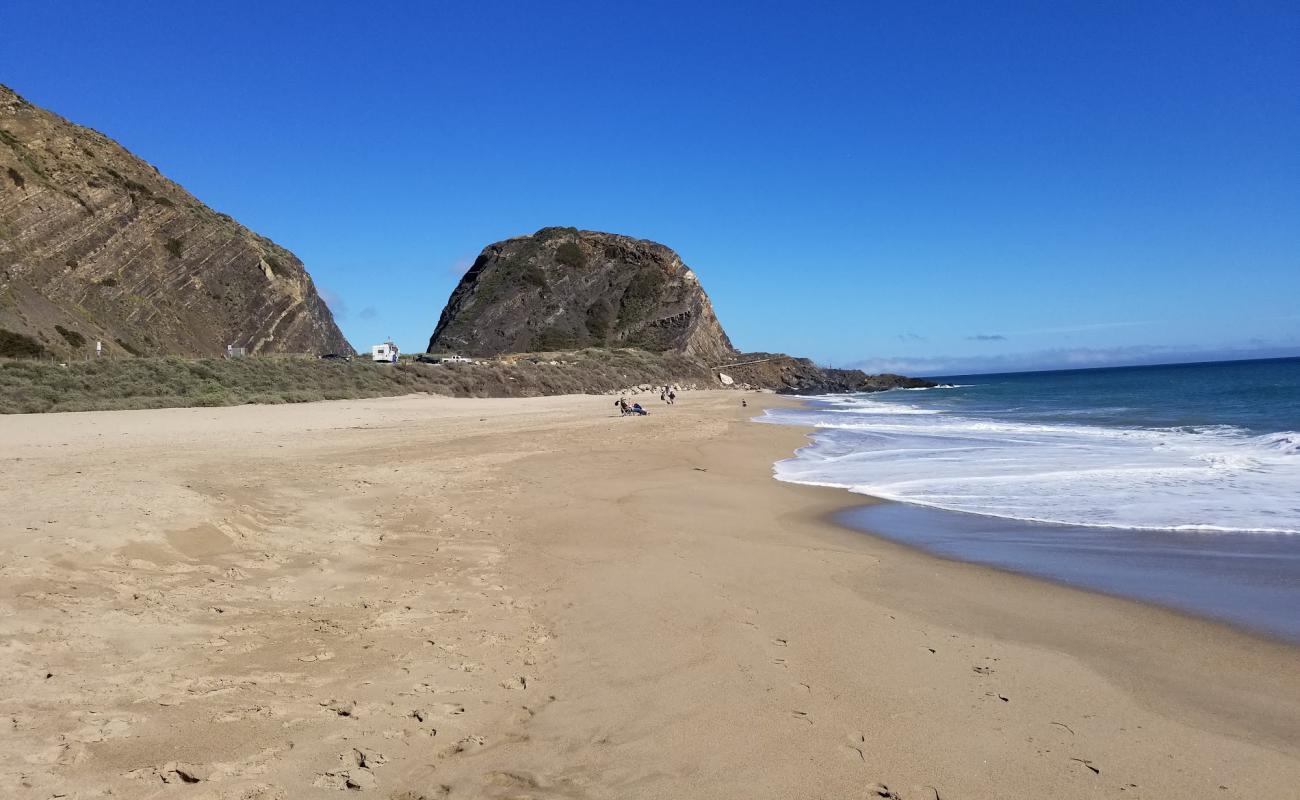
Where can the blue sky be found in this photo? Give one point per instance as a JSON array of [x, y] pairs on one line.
[[927, 187]]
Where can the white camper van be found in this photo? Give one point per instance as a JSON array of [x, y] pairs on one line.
[[386, 352]]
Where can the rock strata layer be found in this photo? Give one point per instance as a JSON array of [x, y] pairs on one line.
[[96, 244]]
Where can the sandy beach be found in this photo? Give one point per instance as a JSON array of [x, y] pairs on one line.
[[425, 597]]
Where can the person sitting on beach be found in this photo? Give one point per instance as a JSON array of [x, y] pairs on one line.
[[637, 409]]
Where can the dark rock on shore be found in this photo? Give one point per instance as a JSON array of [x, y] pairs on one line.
[[790, 375], [96, 244]]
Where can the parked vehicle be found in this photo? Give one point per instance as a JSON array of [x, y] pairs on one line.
[[335, 357], [385, 353]]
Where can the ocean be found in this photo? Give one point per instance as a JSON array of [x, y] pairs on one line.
[[1177, 484]]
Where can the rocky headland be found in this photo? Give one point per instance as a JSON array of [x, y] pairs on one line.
[[565, 289], [96, 244]]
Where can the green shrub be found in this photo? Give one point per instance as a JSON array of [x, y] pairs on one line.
[[21, 151], [19, 345], [128, 347], [175, 247], [533, 276], [641, 295], [277, 268], [553, 339], [600, 321], [570, 254], [130, 185], [546, 234], [72, 337]]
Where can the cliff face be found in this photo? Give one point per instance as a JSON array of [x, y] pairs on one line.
[[563, 289], [97, 244]]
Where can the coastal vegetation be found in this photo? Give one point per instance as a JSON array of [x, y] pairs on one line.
[[19, 345], [34, 386]]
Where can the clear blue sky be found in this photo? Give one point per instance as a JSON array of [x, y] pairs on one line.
[[933, 187]]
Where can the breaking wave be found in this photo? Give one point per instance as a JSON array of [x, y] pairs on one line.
[[1212, 478]]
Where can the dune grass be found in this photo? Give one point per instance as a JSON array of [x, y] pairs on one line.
[[170, 382]]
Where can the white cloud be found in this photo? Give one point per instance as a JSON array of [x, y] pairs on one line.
[[1087, 326]]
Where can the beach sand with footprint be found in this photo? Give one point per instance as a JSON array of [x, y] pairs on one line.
[[421, 597]]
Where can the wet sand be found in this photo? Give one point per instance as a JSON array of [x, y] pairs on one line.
[[1247, 579], [425, 597]]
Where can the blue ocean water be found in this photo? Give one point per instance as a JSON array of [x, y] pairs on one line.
[[1178, 485], [1192, 447]]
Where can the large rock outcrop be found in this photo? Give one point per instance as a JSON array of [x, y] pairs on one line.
[[97, 244], [564, 289]]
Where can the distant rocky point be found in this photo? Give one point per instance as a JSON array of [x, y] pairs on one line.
[[95, 244], [790, 375]]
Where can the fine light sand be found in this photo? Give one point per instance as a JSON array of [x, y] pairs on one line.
[[426, 597]]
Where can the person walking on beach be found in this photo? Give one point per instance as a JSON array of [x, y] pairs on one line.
[[672, 397]]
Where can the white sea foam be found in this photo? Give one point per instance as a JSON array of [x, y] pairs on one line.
[[1210, 479]]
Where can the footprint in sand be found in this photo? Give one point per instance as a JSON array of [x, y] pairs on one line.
[[445, 709], [857, 747]]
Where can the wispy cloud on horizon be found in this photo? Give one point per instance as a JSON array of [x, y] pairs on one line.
[[1081, 328], [1073, 358], [986, 337], [911, 337]]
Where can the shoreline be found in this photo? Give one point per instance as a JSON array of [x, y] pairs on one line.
[[536, 598], [1000, 619], [1162, 567], [1255, 629]]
